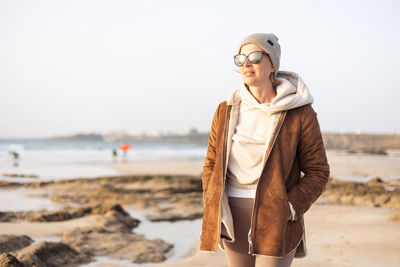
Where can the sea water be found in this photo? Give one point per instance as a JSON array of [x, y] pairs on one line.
[[54, 159]]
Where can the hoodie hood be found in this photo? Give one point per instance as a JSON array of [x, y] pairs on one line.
[[291, 92]]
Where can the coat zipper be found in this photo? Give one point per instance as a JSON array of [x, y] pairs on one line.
[[250, 240], [223, 168]]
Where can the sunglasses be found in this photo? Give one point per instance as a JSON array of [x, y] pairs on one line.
[[254, 58]]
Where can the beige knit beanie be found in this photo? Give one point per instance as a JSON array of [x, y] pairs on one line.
[[267, 42]]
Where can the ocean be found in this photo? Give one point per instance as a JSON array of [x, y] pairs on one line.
[[55, 159]]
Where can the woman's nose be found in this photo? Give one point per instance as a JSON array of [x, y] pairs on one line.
[[247, 62]]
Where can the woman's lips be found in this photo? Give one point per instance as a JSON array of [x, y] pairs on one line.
[[248, 73]]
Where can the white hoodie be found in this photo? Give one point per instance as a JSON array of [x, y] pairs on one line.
[[255, 124]]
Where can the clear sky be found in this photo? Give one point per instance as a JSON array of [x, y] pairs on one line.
[[154, 65]]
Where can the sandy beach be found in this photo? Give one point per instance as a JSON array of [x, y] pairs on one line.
[[342, 164], [337, 235]]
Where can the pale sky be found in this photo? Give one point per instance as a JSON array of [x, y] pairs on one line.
[[81, 66]]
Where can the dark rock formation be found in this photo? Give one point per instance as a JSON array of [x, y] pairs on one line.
[[170, 197], [8, 260], [99, 241], [51, 254], [376, 193], [183, 208], [112, 236], [10, 243], [11, 216], [20, 175], [73, 213], [181, 194]]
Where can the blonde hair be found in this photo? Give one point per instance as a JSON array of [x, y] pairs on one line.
[[272, 74], [272, 77]]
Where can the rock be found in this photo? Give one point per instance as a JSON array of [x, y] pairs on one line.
[[51, 254], [13, 216], [376, 180], [18, 175], [9, 185], [138, 191], [175, 213], [8, 260], [373, 193], [181, 206], [364, 200], [347, 200], [67, 214], [331, 198], [10, 243], [381, 200], [394, 201], [117, 221], [112, 236], [394, 216], [375, 151], [97, 241], [394, 182]]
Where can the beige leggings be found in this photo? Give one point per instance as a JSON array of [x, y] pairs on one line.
[[237, 252]]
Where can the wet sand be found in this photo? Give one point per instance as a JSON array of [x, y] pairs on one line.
[[152, 168], [39, 230]]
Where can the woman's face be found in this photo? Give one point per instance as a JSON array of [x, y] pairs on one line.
[[255, 74]]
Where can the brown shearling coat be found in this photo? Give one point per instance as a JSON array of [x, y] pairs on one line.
[[297, 147]]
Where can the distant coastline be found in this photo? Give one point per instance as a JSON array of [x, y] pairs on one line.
[[189, 137], [350, 142]]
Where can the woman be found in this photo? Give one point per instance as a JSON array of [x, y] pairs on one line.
[[262, 138]]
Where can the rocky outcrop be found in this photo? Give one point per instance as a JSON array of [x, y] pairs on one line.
[[376, 193], [51, 254], [73, 213], [19, 175], [10, 243], [394, 216], [368, 143], [182, 209], [116, 220], [112, 236], [12, 216], [8, 260], [99, 241], [10, 185], [181, 194]]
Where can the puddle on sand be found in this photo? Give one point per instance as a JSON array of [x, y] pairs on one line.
[[20, 200], [182, 234]]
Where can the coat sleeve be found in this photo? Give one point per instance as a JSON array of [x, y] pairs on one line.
[[209, 161], [313, 163]]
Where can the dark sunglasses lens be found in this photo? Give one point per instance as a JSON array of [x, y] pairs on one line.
[[239, 60], [255, 57]]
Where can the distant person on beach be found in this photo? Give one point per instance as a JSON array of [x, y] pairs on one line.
[[114, 154], [265, 164], [15, 156], [125, 147]]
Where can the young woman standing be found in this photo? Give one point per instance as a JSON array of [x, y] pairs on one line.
[[265, 162]]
